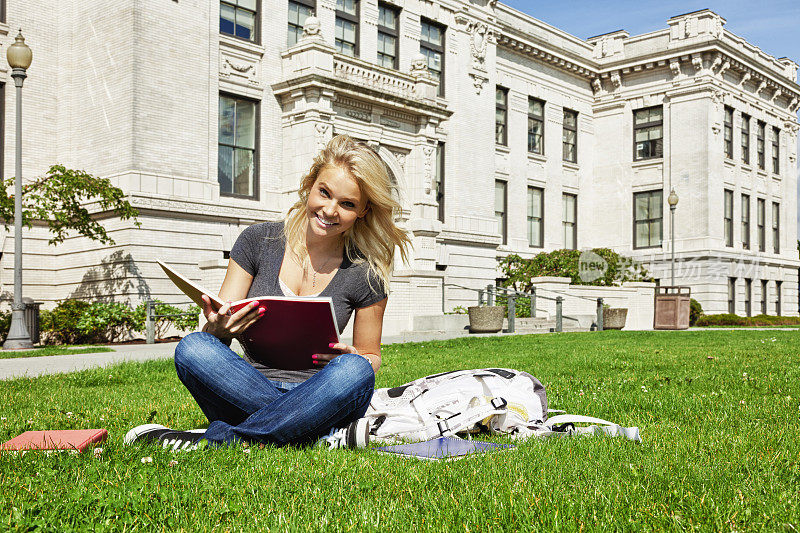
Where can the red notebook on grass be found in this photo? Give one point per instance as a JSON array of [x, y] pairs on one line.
[[289, 333], [76, 440]]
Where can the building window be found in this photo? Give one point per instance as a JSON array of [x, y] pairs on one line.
[[647, 219], [569, 208], [732, 296], [238, 18], [535, 126], [776, 227], [760, 223], [569, 136], [299, 11], [500, 203], [648, 133], [745, 139], [746, 221], [388, 24], [237, 147], [760, 134], [535, 217], [431, 45], [778, 305], [501, 116], [776, 151], [728, 132], [439, 179], [748, 289], [764, 289], [728, 214], [347, 27]]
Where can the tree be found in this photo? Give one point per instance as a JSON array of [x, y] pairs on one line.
[[58, 199]]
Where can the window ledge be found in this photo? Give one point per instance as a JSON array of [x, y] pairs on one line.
[[776, 177], [730, 162], [746, 167], [570, 165], [3, 28], [237, 43], [541, 158], [645, 163], [503, 149], [762, 173]]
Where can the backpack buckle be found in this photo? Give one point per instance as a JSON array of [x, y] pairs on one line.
[[444, 426], [499, 403]]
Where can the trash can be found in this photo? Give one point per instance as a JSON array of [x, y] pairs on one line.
[[672, 307], [32, 318]]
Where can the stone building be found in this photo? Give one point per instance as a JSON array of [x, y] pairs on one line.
[[503, 134]]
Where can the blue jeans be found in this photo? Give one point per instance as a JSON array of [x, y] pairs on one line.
[[242, 404]]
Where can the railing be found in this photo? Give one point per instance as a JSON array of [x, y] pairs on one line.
[[151, 316], [369, 75], [488, 294]]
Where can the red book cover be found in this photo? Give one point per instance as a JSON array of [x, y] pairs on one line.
[[63, 439], [291, 330]]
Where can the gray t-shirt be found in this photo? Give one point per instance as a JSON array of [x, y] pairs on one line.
[[259, 251]]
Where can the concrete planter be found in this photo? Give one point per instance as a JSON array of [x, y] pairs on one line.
[[486, 319], [614, 318]]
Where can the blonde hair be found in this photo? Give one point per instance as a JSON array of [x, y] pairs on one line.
[[374, 236]]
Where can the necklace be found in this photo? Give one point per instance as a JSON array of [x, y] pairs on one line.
[[314, 275]]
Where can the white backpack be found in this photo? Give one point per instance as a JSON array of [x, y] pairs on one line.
[[496, 400]]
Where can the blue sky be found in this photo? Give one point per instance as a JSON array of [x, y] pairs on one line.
[[772, 25]]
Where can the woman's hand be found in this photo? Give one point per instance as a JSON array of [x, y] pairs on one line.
[[224, 325], [322, 359]]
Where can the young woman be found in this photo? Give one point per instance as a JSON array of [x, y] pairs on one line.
[[339, 241]]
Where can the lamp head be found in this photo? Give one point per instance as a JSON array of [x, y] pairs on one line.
[[672, 199], [19, 54]]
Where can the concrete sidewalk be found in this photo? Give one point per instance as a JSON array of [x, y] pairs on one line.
[[59, 364]]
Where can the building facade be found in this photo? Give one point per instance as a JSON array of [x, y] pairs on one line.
[[503, 134]]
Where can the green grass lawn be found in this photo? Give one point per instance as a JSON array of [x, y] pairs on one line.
[[54, 350], [717, 410]]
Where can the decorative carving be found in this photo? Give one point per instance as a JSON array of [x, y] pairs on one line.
[[675, 67], [323, 134], [427, 153], [717, 61], [725, 66], [390, 123], [616, 79], [716, 97], [777, 94], [761, 86], [419, 66], [359, 115], [480, 33], [697, 62], [312, 29], [715, 128], [477, 82], [745, 78], [793, 105], [238, 70], [597, 85], [401, 158]]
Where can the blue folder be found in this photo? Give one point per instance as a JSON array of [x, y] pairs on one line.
[[447, 448]]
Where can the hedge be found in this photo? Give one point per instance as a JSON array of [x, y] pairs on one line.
[[727, 319]]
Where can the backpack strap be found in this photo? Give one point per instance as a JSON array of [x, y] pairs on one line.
[[598, 427]]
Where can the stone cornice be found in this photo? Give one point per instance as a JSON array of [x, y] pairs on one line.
[[526, 46]]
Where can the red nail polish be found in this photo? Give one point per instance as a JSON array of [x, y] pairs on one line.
[[262, 310], [314, 356], [331, 345]]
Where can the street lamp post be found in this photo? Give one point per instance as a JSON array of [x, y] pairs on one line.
[[673, 201], [19, 57]]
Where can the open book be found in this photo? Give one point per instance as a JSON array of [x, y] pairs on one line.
[[289, 333]]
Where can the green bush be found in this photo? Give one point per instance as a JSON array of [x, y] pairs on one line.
[[727, 319], [5, 323], [566, 263], [695, 311], [82, 322], [522, 309]]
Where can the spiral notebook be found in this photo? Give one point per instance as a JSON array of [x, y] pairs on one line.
[[444, 448]]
